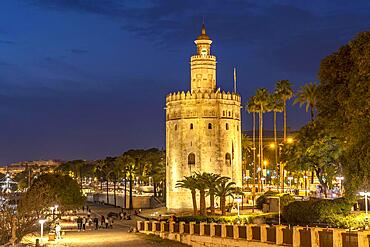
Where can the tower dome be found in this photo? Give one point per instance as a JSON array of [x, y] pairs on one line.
[[203, 35]]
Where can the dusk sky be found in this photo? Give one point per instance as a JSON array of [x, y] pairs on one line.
[[88, 79]]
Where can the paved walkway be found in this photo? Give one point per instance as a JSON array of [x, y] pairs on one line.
[[118, 236]]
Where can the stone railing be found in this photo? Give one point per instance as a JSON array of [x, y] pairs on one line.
[[211, 234]]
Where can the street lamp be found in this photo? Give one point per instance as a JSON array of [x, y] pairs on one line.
[[238, 201], [42, 221], [290, 178], [340, 179], [366, 194]]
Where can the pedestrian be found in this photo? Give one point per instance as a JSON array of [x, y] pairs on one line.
[[102, 221], [83, 223], [121, 216], [90, 223], [58, 229], [83, 208], [96, 221], [106, 223], [88, 214], [111, 222], [87, 208], [79, 223]]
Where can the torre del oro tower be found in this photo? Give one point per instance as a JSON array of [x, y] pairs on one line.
[[203, 128]]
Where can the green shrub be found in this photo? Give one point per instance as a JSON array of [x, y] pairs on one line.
[[263, 198], [317, 211], [244, 219]]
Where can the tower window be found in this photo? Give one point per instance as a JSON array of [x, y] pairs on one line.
[[237, 127], [227, 126], [228, 159], [223, 113], [229, 114], [175, 126], [191, 159], [209, 126], [191, 126]]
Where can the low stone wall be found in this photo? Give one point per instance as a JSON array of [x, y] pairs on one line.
[[219, 235], [138, 201]]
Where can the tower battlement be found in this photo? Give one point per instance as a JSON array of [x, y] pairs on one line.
[[202, 95]]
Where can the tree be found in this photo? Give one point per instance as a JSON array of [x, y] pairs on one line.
[[202, 186], [127, 166], [261, 100], [308, 95], [285, 92], [211, 180], [45, 191], [276, 105], [343, 106], [223, 190], [314, 150], [189, 182]]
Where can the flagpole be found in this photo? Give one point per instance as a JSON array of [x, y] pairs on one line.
[[234, 80]]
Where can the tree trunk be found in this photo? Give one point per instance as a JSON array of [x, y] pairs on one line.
[[254, 158], [155, 188], [212, 200], [284, 101], [259, 151], [131, 205], [223, 204], [114, 193], [194, 199], [312, 114], [107, 193], [125, 194], [202, 199], [276, 149]]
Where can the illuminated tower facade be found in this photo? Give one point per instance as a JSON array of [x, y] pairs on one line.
[[203, 128]]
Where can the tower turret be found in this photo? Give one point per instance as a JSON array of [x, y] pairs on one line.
[[203, 64]]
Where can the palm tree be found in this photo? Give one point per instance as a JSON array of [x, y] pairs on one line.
[[307, 95], [285, 92], [211, 180], [223, 190], [276, 105], [252, 107], [202, 186], [124, 162], [261, 100], [189, 182]]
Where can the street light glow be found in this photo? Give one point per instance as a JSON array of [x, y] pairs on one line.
[[290, 140]]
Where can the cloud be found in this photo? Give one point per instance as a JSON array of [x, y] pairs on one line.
[[77, 51], [7, 42]]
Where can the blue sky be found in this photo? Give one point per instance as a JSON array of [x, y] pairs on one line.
[[88, 79]]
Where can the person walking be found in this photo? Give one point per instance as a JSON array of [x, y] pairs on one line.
[[79, 223], [83, 223], [96, 221], [102, 221], [106, 223], [58, 229]]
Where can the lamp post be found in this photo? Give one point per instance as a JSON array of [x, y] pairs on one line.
[[238, 201], [340, 179], [290, 178], [366, 194], [42, 221]]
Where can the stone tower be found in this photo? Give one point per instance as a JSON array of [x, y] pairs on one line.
[[203, 130]]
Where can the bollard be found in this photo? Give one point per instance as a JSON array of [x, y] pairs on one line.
[[223, 230], [37, 242], [235, 231], [363, 240], [263, 233], [162, 226], [279, 234], [249, 232], [146, 223], [191, 228], [212, 229], [296, 236], [337, 237], [201, 228], [181, 227], [138, 226], [315, 239], [171, 227]]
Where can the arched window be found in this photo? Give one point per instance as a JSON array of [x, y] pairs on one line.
[[228, 159], [175, 126], [229, 114], [223, 113], [209, 126], [227, 126], [191, 159], [191, 126]]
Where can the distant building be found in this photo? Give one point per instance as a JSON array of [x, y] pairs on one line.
[[203, 128], [36, 166]]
